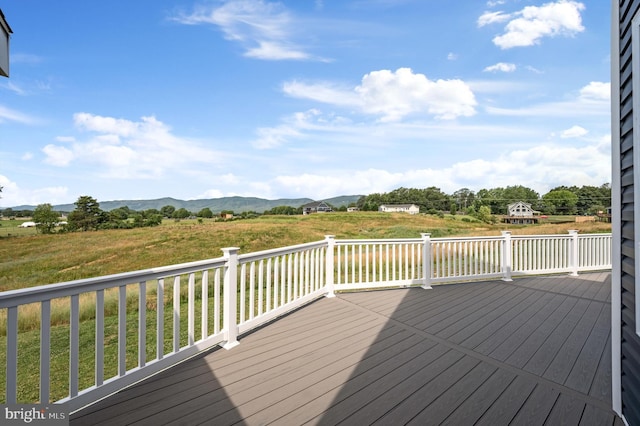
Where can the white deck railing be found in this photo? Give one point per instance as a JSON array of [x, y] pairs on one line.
[[228, 296]]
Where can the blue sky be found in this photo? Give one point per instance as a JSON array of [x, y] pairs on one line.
[[286, 99]]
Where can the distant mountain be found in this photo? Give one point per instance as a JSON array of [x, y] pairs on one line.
[[235, 204]]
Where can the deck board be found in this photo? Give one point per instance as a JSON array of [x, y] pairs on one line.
[[535, 351]]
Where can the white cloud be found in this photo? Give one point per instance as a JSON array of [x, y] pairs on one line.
[[489, 18], [11, 86], [452, 56], [274, 51], [325, 92], [263, 28], [96, 123], [120, 148], [272, 137], [528, 26], [540, 168], [593, 100], [501, 66], [574, 132], [210, 193], [8, 114], [14, 195], [58, 155], [596, 91], [394, 95]]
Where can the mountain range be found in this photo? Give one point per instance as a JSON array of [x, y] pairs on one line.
[[235, 204]]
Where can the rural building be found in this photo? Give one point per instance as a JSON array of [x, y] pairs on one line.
[[352, 209], [625, 218], [520, 209], [316, 207], [520, 213], [5, 31], [399, 208]]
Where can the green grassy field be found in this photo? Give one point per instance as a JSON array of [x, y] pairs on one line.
[[30, 259]]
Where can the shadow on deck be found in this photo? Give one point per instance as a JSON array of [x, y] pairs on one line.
[[534, 351]]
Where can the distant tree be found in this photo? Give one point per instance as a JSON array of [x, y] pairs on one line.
[[87, 215], [181, 213], [288, 210], [484, 214], [205, 213], [167, 211], [464, 197], [249, 215], [453, 208], [151, 212], [45, 218], [153, 220], [560, 201], [119, 214]]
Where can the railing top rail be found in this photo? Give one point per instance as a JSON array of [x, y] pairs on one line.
[[378, 241], [265, 254], [458, 239], [51, 291], [542, 237]]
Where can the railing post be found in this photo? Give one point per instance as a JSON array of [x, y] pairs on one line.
[[230, 298], [507, 265], [331, 243], [426, 261], [573, 253]]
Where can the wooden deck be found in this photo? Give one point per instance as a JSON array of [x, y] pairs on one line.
[[531, 351]]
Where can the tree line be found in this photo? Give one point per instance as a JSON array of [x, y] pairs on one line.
[[88, 216], [561, 200]]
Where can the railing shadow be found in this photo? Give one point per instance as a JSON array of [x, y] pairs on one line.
[[188, 393]]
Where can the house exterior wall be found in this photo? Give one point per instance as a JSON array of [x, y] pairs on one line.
[[625, 81], [399, 208], [5, 30], [520, 209]]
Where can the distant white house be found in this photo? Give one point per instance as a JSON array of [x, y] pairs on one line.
[[399, 208], [5, 31], [520, 209], [316, 207], [520, 213]]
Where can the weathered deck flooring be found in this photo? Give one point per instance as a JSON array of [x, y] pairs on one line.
[[533, 351]]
